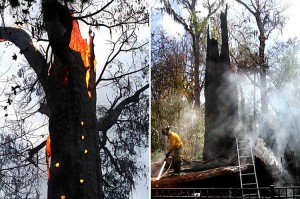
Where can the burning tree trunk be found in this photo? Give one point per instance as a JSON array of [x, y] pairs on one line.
[[221, 99], [71, 98], [75, 160]]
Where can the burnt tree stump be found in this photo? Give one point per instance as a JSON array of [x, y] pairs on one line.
[[221, 99]]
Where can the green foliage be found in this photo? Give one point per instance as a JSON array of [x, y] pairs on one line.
[[284, 63], [198, 24]]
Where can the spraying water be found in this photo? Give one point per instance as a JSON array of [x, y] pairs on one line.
[[161, 170]]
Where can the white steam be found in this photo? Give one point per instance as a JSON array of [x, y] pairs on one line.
[[265, 154], [282, 120]]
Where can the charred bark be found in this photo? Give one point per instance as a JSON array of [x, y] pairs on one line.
[[221, 99], [73, 115], [72, 123]]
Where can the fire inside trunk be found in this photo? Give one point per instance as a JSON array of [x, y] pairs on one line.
[[75, 160], [79, 44]]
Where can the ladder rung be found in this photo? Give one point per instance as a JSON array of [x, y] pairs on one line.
[[249, 184], [242, 165], [245, 145], [247, 174], [250, 194], [245, 156], [244, 149], [248, 164]]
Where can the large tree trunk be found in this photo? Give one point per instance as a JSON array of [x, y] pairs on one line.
[[221, 99], [73, 115], [220, 177], [75, 160], [262, 64], [196, 52], [267, 133], [201, 178]]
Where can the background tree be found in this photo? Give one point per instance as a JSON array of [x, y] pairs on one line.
[[268, 16], [172, 93], [195, 25], [283, 97], [261, 22], [78, 138]]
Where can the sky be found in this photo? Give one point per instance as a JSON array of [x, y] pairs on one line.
[[292, 28]]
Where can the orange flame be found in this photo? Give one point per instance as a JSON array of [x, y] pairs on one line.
[[79, 44], [48, 154]]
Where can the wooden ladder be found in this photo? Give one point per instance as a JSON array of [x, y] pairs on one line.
[[248, 179]]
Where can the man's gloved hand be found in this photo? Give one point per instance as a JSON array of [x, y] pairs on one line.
[[168, 154]]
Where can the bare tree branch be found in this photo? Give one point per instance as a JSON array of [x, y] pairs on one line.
[[23, 41], [111, 117], [247, 7], [121, 76], [94, 13], [44, 109], [114, 54], [33, 151]]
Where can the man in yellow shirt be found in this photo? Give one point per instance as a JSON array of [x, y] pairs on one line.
[[175, 146]]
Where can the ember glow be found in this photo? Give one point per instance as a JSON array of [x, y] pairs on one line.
[[48, 155], [81, 45]]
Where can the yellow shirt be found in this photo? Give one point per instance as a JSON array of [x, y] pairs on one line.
[[174, 141]]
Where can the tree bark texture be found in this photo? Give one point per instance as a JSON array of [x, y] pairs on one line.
[[196, 51], [262, 62], [221, 99], [75, 160], [74, 136], [263, 77]]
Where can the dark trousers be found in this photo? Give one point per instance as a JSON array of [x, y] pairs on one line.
[[177, 157]]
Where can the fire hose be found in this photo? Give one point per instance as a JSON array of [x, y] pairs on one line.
[[160, 175]]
